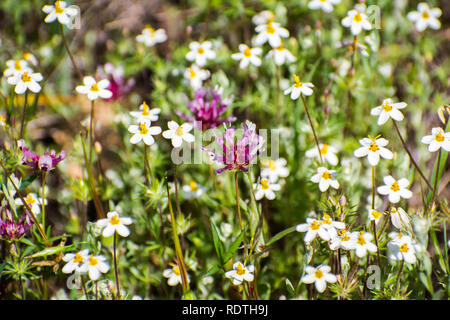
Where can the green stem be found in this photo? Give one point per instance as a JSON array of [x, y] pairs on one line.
[[237, 199], [312, 128], [44, 178], [398, 276], [147, 166], [80, 75], [436, 177], [24, 115], [91, 132], [116, 270]]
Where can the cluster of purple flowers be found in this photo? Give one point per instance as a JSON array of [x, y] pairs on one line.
[[117, 84], [45, 162], [9, 229]]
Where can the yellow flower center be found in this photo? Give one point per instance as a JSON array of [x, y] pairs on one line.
[[58, 9], [114, 220], [387, 107], [193, 186], [314, 225], [26, 77], [264, 184], [374, 147], [272, 165], [395, 187], [270, 28], [179, 131], [30, 199], [318, 274], [2, 119], [357, 18], [376, 214], [240, 270], [247, 52], [404, 248], [324, 149], [326, 175], [201, 50], [361, 240], [145, 109], [17, 65], [439, 137], [95, 88], [143, 129], [425, 15], [281, 47], [298, 84], [192, 73], [176, 270], [78, 258], [93, 261]]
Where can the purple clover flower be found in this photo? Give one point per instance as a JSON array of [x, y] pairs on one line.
[[12, 230], [117, 84], [45, 162], [207, 108], [237, 153]]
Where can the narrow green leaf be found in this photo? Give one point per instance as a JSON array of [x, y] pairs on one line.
[[290, 288], [27, 181], [217, 243], [280, 235], [234, 246], [50, 251]]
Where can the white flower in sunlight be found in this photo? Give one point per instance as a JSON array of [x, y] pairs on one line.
[[425, 17], [274, 169], [342, 241], [263, 17], [356, 20], [75, 261], [2, 120], [373, 149], [270, 32], [144, 132], [266, 189], [178, 133], [438, 139], [395, 189], [196, 76], [247, 56], [29, 57], [146, 113], [299, 88], [16, 67], [332, 226], [200, 52], [94, 266], [240, 273], [388, 110], [325, 5], [399, 218], [314, 228], [59, 11], [174, 275], [319, 276], [375, 215], [281, 55], [402, 247], [327, 152], [114, 223], [150, 36], [94, 89], [26, 80], [33, 201], [363, 243], [193, 190], [325, 178]]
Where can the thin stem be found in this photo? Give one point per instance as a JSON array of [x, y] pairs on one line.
[[237, 199], [175, 181], [83, 284], [312, 128], [398, 275], [435, 191], [91, 132], [24, 115], [277, 101], [148, 170], [116, 270], [374, 225], [80, 75], [44, 178]]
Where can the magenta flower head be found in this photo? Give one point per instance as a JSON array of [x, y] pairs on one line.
[[117, 84], [237, 152], [45, 162], [207, 108], [11, 230]]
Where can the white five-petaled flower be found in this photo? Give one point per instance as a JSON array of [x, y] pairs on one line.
[[247, 56], [363, 243], [75, 261], [399, 217], [425, 17], [438, 139], [263, 17], [356, 20], [299, 88], [26, 80], [325, 5], [193, 190], [240, 273], [174, 275], [373, 149], [15, 67], [327, 152], [270, 32], [200, 52], [94, 266], [94, 89], [325, 178], [342, 241], [375, 215], [150, 36], [196, 76], [33, 201], [114, 223], [281, 55], [59, 11], [319, 276], [402, 247], [144, 132], [388, 110], [274, 169], [146, 113], [178, 133], [266, 189], [395, 189], [314, 228]]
